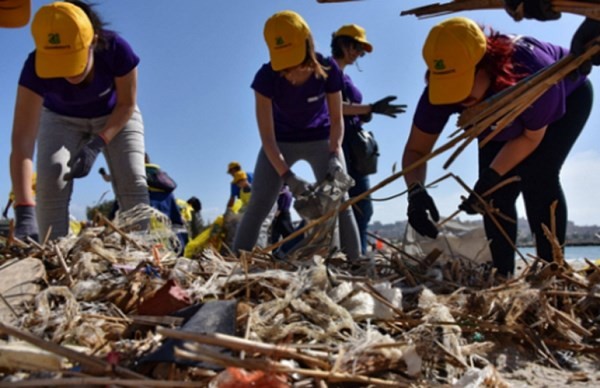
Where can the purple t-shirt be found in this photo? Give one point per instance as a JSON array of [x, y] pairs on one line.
[[93, 100], [300, 113], [284, 200], [529, 56], [354, 96]]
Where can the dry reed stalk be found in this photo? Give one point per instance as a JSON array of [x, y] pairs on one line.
[[276, 367], [504, 106], [249, 346], [443, 148], [492, 212], [63, 264], [124, 235], [570, 322], [582, 8], [579, 347], [9, 306], [399, 264], [102, 381], [369, 289], [95, 365]]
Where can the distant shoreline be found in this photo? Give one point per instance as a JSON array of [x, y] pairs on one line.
[[568, 244]]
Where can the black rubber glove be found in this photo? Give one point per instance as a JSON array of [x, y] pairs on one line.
[[587, 31], [419, 205], [384, 107], [532, 9], [298, 186], [82, 162], [26, 224], [488, 179]]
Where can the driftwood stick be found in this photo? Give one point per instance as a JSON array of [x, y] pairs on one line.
[[240, 344]]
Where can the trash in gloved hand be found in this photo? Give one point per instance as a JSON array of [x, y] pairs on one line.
[[325, 197]]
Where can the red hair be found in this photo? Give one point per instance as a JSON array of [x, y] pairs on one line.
[[497, 61]]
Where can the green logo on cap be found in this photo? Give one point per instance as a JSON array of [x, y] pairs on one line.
[[279, 41], [438, 64], [54, 38]]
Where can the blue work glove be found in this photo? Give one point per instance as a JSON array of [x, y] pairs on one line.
[[26, 223], [488, 179], [587, 31], [298, 186], [420, 207], [82, 162], [334, 166], [532, 9], [384, 107]]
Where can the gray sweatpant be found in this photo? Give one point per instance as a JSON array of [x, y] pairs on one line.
[[265, 189], [59, 138]]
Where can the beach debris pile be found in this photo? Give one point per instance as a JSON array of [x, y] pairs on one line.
[[116, 306]]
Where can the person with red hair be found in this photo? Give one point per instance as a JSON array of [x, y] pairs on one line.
[[465, 67]]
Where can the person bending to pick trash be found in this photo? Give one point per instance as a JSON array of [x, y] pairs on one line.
[[299, 115], [465, 67], [76, 98], [349, 43]]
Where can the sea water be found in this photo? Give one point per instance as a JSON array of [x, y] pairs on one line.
[[572, 253]]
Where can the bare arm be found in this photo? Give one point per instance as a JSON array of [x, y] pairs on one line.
[[419, 145], [266, 129], [336, 135], [126, 87], [516, 150], [356, 109], [24, 133]]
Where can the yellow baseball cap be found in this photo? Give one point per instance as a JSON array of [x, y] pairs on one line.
[[357, 33], [233, 165], [452, 51], [239, 176], [14, 13], [286, 33], [63, 35]]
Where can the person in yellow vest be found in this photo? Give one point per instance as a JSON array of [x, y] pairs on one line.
[[240, 179]]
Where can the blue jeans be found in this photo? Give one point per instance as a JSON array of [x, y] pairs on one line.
[[363, 209], [58, 139]]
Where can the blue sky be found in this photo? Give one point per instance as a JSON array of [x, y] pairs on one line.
[[198, 58]]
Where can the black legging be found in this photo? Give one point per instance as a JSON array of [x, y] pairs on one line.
[[540, 184]]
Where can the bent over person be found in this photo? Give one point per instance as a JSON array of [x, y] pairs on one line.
[[299, 116], [76, 98], [465, 67]]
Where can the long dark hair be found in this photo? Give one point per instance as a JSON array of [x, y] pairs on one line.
[[338, 43], [97, 23]]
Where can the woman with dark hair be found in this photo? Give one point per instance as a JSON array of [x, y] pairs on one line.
[[349, 43], [465, 67], [76, 98], [299, 116]]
